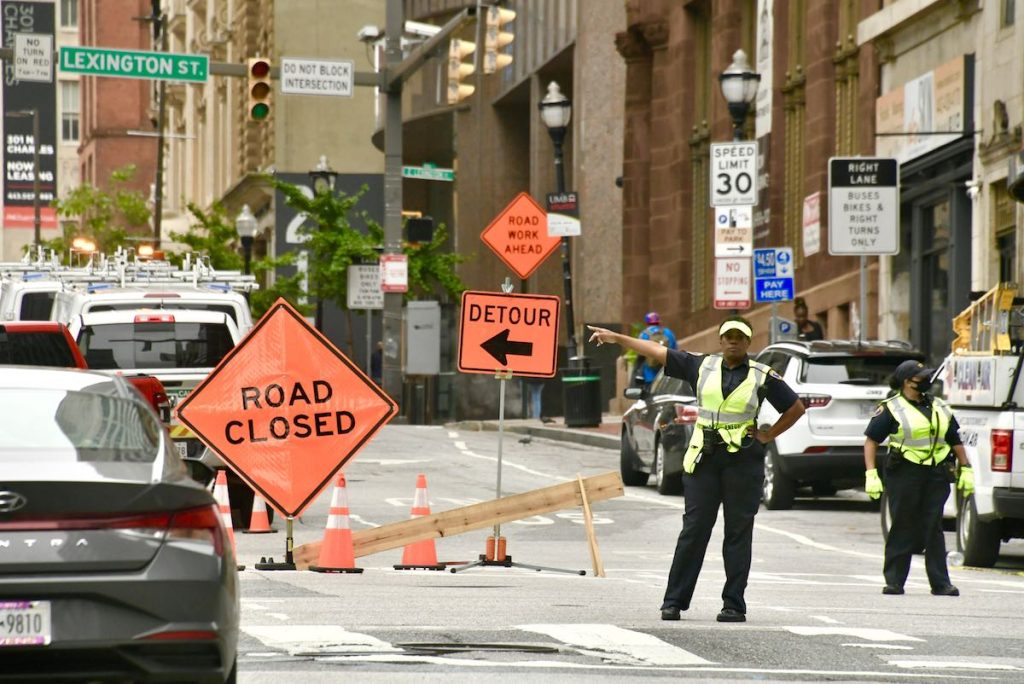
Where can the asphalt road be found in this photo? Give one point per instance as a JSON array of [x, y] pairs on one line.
[[815, 611]]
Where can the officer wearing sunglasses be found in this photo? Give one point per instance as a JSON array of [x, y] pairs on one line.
[[924, 448]]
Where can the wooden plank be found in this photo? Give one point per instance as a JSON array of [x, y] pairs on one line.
[[588, 519], [485, 514]]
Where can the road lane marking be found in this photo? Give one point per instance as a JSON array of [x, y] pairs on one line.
[[826, 619], [890, 646], [617, 645], [308, 639], [953, 665], [807, 541], [393, 461], [866, 633]]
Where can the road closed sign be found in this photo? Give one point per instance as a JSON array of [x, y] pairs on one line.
[[286, 410], [509, 333], [519, 235]]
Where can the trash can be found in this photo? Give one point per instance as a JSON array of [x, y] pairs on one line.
[[581, 394]]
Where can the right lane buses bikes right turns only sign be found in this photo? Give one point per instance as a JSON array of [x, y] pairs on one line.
[[863, 206], [509, 333]]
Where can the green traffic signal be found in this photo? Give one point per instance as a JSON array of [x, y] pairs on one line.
[[259, 111]]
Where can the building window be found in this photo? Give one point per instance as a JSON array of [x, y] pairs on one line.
[[1009, 12], [69, 111], [69, 13], [1004, 228]]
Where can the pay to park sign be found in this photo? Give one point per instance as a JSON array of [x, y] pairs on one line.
[[286, 410]]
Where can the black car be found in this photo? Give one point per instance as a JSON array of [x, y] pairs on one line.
[[655, 433]]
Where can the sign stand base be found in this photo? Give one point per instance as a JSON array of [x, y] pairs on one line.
[[289, 561], [497, 558]]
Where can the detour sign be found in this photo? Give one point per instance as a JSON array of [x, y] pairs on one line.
[[509, 333], [286, 410]]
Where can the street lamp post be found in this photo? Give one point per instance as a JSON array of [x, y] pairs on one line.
[[37, 222], [739, 88], [556, 111], [323, 179], [245, 225]]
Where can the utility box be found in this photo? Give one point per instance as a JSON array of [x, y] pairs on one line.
[[422, 338]]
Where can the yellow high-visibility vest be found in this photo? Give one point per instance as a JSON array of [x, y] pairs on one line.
[[920, 438], [732, 415]]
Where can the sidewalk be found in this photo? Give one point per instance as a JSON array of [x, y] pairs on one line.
[[604, 436]]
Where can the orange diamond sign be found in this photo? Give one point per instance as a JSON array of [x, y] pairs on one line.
[[519, 235], [286, 410]]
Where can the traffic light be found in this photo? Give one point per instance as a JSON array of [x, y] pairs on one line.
[[458, 70], [495, 39], [260, 89]]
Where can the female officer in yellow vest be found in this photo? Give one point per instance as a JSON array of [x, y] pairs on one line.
[[724, 462], [921, 432]]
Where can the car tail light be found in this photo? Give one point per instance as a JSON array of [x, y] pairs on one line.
[[202, 524], [685, 413], [153, 390], [162, 295], [816, 450], [815, 400], [1002, 451], [154, 318]]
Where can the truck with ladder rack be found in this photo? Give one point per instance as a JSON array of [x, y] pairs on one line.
[[982, 382]]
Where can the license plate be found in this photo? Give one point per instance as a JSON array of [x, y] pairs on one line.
[[867, 408], [24, 623], [182, 448]]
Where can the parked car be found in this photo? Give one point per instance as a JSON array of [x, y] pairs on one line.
[[841, 383], [48, 343], [115, 564], [655, 432]]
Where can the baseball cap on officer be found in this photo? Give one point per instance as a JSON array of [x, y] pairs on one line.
[[911, 369], [735, 325]]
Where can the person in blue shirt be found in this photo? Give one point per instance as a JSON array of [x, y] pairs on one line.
[[655, 332]]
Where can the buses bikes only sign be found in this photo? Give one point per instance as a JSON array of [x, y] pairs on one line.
[[509, 333], [286, 410]]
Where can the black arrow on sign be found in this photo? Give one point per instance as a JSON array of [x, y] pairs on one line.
[[499, 347], [737, 248]]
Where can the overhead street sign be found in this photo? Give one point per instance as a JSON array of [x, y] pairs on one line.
[[732, 283], [431, 173], [509, 332], [286, 410], [733, 174], [519, 235], [161, 66], [317, 77], [734, 231], [863, 206], [33, 57], [773, 274]]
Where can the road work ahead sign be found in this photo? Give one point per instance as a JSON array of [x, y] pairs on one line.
[[519, 235], [509, 333], [286, 410]]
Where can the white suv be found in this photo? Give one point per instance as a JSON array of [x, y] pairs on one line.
[[840, 383]]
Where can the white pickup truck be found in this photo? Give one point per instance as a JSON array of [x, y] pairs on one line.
[[983, 384]]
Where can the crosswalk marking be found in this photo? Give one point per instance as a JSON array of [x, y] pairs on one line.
[[618, 645], [866, 633], [296, 639]]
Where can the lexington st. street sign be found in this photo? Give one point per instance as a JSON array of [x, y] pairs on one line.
[[165, 66]]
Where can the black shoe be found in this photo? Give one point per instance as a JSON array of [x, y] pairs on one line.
[[670, 613], [731, 615], [892, 589], [948, 590], [546, 420]]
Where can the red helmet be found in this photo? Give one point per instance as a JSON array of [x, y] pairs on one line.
[[652, 318]]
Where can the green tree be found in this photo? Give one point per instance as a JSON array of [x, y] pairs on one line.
[[107, 216], [334, 245], [213, 235]]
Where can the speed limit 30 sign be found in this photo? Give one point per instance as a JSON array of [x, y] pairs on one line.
[[733, 172]]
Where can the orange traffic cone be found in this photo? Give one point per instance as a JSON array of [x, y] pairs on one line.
[[337, 553], [220, 495], [259, 521], [421, 555]]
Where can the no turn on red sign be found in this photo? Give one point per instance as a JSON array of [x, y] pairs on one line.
[[509, 333], [286, 410]]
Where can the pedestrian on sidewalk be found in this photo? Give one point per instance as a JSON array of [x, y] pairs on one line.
[[724, 462], [662, 335], [924, 450]]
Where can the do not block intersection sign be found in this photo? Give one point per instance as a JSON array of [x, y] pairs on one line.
[[509, 333]]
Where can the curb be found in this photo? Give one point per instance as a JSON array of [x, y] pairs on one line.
[[584, 437]]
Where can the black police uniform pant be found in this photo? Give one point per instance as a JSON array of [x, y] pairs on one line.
[[917, 494], [732, 481]]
